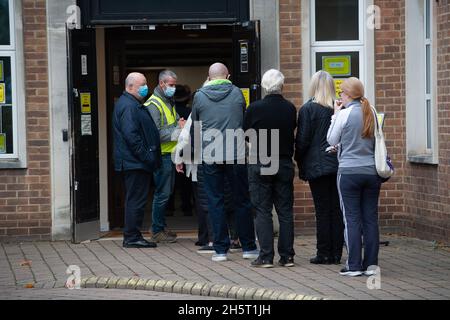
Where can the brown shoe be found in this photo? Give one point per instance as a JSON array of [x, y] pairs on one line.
[[171, 233], [164, 237]]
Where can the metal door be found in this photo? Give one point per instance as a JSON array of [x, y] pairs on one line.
[[84, 135]]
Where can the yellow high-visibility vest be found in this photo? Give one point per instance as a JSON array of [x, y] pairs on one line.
[[171, 117]]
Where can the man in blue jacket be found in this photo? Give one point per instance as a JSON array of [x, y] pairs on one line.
[[137, 154]]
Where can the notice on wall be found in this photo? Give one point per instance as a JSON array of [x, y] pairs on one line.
[[86, 125], [2, 143], [337, 66], [337, 84], [246, 93], [2, 75], [2, 93], [86, 102], [244, 57]]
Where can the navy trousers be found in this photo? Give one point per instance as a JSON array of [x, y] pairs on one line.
[[137, 187], [359, 195]]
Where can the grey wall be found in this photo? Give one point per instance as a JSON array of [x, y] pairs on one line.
[[58, 104], [268, 12]]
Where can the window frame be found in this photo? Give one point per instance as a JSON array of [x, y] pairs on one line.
[[422, 124], [361, 23], [429, 74], [365, 47], [12, 38], [12, 56], [17, 159]]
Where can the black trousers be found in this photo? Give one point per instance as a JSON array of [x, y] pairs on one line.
[[330, 222], [137, 187], [267, 192]]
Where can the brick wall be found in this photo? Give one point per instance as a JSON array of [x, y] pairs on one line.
[[416, 202], [291, 66], [390, 98], [25, 204], [428, 187]]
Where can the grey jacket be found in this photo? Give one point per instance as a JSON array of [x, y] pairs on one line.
[[220, 108], [356, 154], [167, 133]]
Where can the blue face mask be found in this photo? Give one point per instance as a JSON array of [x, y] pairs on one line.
[[143, 91], [170, 92]]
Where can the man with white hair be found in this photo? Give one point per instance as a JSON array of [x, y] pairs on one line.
[[137, 155], [273, 113]]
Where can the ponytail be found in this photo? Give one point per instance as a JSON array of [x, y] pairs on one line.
[[368, 119]]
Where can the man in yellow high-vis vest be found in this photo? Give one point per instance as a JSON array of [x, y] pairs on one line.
[[161, 106]]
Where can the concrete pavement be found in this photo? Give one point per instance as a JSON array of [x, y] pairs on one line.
[[410, 269]]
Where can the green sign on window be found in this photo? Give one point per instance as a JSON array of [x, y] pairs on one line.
[[2, 143], [338, 66]]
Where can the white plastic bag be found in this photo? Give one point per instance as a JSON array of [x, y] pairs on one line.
[[383, 163]]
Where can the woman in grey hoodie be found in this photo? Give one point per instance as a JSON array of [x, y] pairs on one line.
[[353, 128]]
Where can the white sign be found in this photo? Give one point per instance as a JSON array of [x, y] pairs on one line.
[[86, 125], [84, 67]]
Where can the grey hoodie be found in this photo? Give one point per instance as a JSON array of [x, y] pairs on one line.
[[220, 108]]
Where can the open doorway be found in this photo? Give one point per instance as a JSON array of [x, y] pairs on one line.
[[100, 60], [188, 53]]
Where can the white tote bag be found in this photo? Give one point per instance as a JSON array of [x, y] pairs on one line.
[[383, 163]]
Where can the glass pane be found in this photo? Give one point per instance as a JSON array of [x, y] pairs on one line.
[[337, 20], [428, 18], [428, 68], [4, 23], [429, 145], [6, 112]]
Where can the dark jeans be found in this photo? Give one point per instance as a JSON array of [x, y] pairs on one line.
[[214, 185], [137, 187], [183, 186], [164, 179], [330, 224], [205, 233], [267, 192], [359, 201], [204, 225]]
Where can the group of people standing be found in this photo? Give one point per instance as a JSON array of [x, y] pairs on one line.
[[332, 141]]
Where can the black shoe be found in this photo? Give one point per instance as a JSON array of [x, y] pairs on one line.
[[321, 260], [287, 262], [141, 244], [337, 260], [200, 244], [260, 263], [348, 273]]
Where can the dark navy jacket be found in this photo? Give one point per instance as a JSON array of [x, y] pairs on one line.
[[136, 138]]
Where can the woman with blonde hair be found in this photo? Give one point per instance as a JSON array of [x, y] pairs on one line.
[[353, 127], [319, 167]]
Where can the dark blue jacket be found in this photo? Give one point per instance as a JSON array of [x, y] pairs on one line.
[[136, 138]]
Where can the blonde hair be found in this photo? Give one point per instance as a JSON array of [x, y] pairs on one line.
[[322, 89], [354, 88]]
